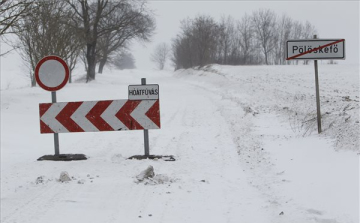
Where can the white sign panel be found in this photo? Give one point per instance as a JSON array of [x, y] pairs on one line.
[[144, 92], [315, 49]]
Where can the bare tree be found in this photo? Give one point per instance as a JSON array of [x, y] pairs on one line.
[[11, 12], [246, 34], [96, 20], [226, 40], [44, 32], [182, 47], [264, 21], [297, 33], [86, 18], [182, 55], [160, 55], [301, 31], [204, 31], [197, 44], [297, 30], [284, 28], [308, 33], [132, 21]]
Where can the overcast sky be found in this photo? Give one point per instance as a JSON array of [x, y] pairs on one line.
[[332, 19]]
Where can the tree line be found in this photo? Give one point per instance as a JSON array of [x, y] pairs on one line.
[[98, 32], [258, 38]]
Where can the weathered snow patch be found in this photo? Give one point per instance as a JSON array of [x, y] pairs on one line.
[[148, 176], [64, 177]]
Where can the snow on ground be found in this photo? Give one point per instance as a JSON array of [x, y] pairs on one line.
[[242, 155], [291, 90]]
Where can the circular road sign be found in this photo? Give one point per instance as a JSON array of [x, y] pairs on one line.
[[52, 73]]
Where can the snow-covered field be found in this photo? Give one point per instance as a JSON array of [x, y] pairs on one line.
[[244, 138]]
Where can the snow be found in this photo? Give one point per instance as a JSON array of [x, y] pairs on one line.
[[242, 153]]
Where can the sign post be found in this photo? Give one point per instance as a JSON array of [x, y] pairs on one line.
[[148, 92], [56, 135], [144, 92], [146, 132], [52, 74], [317, 94], [316, 49]]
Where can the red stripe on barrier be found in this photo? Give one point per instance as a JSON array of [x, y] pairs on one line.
[[64, 117], [94, 116], [124, 115], [43, 108], [154, 113], [44, 128]]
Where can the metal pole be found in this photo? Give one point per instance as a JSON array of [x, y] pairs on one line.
[[146, 132], [317, 94], [56, 135]]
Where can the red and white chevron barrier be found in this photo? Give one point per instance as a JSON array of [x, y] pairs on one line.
[[94, 116]]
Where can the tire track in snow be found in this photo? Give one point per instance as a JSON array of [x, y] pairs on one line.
[[34, 205], [210, 184], [208, 164], [254, 159]]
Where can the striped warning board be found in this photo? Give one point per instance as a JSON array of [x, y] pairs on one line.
[[95, 116]]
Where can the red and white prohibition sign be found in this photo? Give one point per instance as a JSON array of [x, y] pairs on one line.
[[95, 116], [52, 73]]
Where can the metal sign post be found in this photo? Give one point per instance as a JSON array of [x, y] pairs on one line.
[[56, 135], [52, 73], [146, 132], [149, 95], [317, 94]]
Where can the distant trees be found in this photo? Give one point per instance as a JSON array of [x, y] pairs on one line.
[[160, 55], [246, 40], [124, 60], [264, 23], [283, 27], [258, 38], [226, 51], [197, 44]]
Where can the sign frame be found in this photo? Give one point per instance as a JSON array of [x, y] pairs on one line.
[[144, 87], [312, 41], [63, 82]]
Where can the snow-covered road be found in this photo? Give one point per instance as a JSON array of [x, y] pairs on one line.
[[233, 163]]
